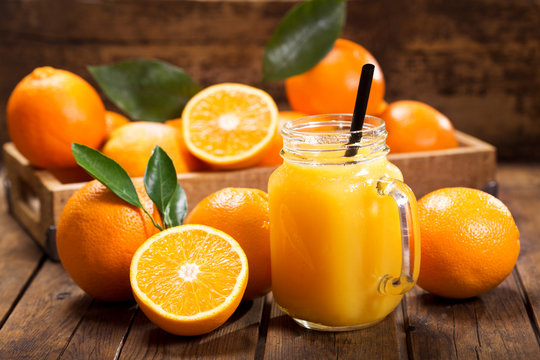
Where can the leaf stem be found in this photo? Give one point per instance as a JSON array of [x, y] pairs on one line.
[[152, 218]]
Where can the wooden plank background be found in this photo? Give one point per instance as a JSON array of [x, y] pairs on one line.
[[478, 62]]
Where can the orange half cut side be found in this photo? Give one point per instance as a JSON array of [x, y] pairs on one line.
[[230, 125], [189, 279]]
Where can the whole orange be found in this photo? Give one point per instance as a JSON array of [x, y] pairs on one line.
[[97, 235], [331, 86], [416, 126], [273, 157], [114, 120], [131, 146], [50, 109], [470, 242], [243, 214]]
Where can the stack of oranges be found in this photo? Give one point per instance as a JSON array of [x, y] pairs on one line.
[[187, 279], [51, 108], [225, 126], [99, 234]]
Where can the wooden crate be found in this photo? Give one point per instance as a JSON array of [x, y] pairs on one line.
[[36, 197]]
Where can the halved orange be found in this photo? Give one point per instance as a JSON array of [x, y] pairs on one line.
[[230, 125], [189, 280]]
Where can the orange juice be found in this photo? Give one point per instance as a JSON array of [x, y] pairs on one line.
[[335, 236]]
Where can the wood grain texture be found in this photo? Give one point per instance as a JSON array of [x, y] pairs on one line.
[[520, 191], [20, 258], [287, 340], [30, 198], [102, 331], [477, 63], [46, 316], [236, 339], [492, 326]]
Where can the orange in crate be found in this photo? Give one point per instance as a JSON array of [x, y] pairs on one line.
[[50, 109]]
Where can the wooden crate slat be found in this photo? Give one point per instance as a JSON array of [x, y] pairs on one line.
[[30, 198], [473, 164]]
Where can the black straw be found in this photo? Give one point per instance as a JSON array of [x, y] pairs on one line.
[[362, 97]]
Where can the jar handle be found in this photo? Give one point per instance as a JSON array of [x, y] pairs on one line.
[[410, 237]]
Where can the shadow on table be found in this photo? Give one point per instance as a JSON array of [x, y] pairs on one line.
[[238, 336]]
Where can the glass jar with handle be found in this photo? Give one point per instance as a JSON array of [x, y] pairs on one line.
[[343, 225]]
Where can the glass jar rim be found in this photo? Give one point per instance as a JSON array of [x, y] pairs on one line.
[[327, 139], [305, 126]]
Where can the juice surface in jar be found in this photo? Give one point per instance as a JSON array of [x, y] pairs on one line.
[[333, 237]]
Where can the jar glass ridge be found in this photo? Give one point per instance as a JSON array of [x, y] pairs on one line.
[[325, 139]]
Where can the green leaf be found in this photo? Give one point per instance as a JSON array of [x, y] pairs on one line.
[[149, 90], [176, 208], [107, 171], [305, 35], [160, 178]]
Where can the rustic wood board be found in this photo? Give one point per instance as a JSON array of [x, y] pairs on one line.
[[237, 338], [20, 259], [286, 340], [101, 331], [477, 63], [493, 325], [48, 312], [526, 185]]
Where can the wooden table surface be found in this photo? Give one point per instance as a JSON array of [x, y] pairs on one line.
[[44, 315]]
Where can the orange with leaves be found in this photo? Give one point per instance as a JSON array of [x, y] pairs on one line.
[[331, 86], [97, 235]]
